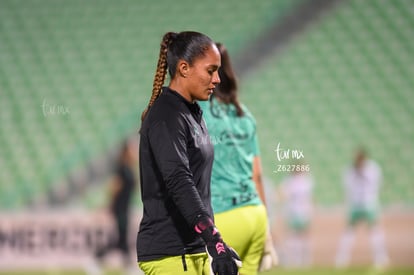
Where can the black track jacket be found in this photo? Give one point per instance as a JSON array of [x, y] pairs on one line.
[[176, 158]]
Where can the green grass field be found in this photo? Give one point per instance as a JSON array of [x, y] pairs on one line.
[[278, 271]]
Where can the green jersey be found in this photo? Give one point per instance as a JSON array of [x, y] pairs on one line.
[[235, 146]]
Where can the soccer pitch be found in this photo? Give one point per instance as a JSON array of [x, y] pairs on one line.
[[277, 271]]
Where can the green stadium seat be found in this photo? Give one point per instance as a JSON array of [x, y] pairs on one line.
[[97, 60], [346, 81]]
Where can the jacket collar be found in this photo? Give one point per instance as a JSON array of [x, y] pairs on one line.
[[193, 107]]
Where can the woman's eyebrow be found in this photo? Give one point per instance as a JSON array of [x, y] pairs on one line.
[[214, 66]]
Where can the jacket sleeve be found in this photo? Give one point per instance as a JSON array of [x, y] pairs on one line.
[[169, 145]]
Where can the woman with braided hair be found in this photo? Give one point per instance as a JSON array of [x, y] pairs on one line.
[[176, 157]]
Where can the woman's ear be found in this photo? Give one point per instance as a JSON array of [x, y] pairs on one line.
[[183, 68]]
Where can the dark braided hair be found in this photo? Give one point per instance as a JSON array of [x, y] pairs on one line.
[[186, 46], [161, 71]]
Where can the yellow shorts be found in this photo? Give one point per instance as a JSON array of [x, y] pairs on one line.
[[245, 229], [191, 264]]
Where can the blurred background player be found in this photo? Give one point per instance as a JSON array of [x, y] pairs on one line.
[[296, 193], [122, 188], [362, 183], [236, 184]]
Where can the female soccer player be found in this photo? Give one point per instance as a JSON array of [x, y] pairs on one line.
[[176, 159], [236, 185], [297, 194], [362, 182]]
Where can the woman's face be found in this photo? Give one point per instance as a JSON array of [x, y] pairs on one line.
[[202, 76]]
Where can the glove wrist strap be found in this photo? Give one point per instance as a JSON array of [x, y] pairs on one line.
[[207, 230]]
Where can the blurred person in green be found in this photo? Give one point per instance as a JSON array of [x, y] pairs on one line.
[[296, 195], [362, 182], [237, 191]]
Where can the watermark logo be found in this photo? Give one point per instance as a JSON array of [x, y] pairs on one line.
[[50, 109], [294, 155], [202, 140], [282, 153]]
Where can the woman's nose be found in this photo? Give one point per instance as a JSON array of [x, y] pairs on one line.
[[216, 78]]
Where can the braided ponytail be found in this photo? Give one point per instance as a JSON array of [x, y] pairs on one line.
[[161, 71]]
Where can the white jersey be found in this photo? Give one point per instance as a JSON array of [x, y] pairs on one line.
[[297, 190], [362, 186]]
